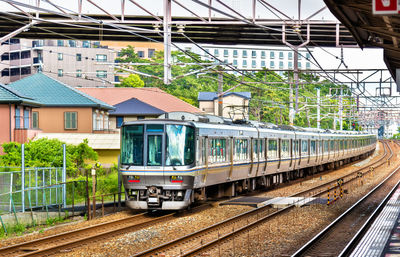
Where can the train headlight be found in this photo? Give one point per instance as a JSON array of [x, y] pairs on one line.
[[176, 179], [133, 179]]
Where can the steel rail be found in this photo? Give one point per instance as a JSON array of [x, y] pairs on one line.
[[236, 218]]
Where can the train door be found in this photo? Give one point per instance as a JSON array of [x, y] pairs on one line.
[[155, 143]]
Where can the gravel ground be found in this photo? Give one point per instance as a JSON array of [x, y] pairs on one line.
[[276, 236]]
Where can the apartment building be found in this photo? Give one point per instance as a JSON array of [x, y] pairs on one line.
[[250, 57], [76, 63], [144, 50]]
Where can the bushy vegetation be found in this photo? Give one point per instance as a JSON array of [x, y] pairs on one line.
[[48, 153]]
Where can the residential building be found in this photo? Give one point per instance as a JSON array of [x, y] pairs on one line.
[[235, 105], [138, 103], [63, 108], [17, 121], [255, 57], [76, 63]]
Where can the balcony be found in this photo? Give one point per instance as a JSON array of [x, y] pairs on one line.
[[37, 44], [37, 61], [21, 62]]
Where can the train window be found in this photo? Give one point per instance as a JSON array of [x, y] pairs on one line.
[[320, 151], [313, 147], [341, 145], [241, 149], [272, 148], [332, 145], [304, 147], [217, 150], [296, 147], [154, 150], [180, 145], [155, 128], [285, 148], [345, 144], [132, 145], [326, 146], [261, 148], [255, 148]]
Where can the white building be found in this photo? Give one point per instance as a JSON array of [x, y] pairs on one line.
[[252, 57]]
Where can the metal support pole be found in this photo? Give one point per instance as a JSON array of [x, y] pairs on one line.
[[167, 41], [318, 108], [341, 109], [220, 99], [23, 177], [64, 178]]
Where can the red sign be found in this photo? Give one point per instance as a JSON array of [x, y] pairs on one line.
[[385, 7]]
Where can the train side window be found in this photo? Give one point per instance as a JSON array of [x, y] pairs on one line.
[[272, 149], [332, 145], [304, 147], [296, 147], [326, 146], [217, 150], [341, 145], [312, 147], [241, 149], [345, 144], [285, 148], [255, 148], [261, 148]]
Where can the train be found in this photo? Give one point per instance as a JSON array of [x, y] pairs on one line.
[[172, 161]]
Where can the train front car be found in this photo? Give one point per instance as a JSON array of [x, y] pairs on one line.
[[157, 160]]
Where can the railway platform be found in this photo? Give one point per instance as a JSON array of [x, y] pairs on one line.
[[383, 236]]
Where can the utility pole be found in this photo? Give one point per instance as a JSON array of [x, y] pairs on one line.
[[220, 99], [318, 109]]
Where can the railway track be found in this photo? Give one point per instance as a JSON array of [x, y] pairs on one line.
[[206, 238], [349, 227], [67, 240]]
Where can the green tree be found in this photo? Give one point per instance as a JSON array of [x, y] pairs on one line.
[[133, 80]]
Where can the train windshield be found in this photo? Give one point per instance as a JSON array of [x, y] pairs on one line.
[[180, 145], [132, 145]]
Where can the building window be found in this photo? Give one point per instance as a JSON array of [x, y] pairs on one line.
[[216, 52], [299, 64], [244, 54], [94, 120], [290, 65], [120, 120], [272, 55], [253, 64], [308, 65], [17, 118], [60, 42], [60, 72], [235, 53], [262, 64], [70, 120], [308, 56], [79, 57], [35, 120], [140, 54], [71, 43], [281, 55], [101, 73], [226, 61], [101, 57], [299, 55], [262, 54], [26, 118], [280, 65], [272, 64], [79, 73], [226, 53], [151, 53], [253, 54], [235, 63], [60, 56], [86, 44], [140, 117], [290, 55], [244, 64]]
